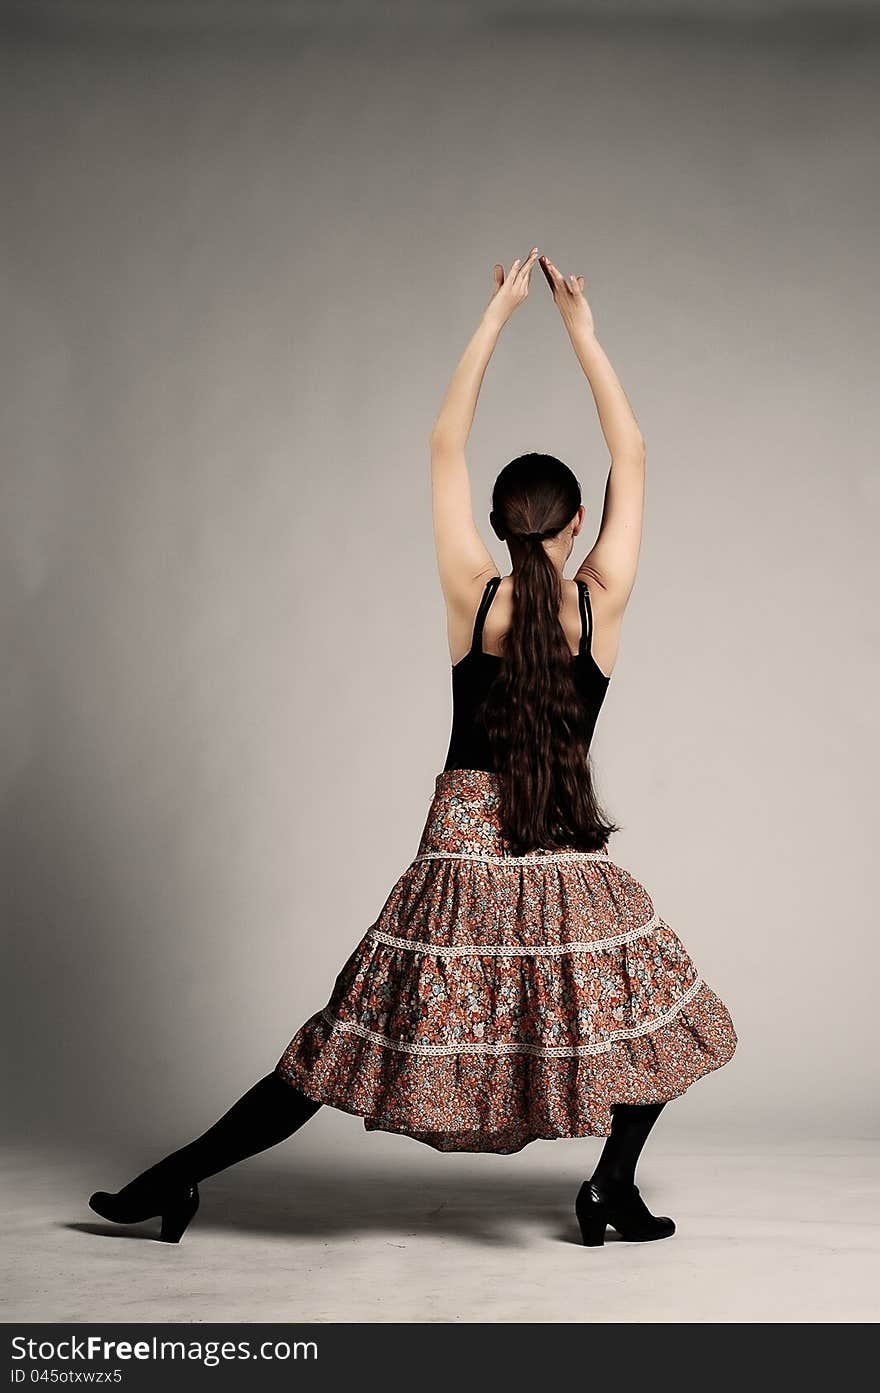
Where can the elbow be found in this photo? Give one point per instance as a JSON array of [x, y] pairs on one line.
[[440, 439], [630, 454]]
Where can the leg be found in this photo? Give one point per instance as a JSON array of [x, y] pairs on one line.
[[269, 1112], [611, 1195], [630, 1125]]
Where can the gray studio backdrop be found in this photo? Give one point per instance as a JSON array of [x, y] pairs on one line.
[[242, 253]]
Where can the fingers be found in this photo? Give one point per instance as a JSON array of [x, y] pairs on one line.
[[527, 267], [518, 276], [548, 268], [572, 285], [554, 275]]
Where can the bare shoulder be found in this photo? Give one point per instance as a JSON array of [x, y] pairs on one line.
[[462, 603], [607, 607]]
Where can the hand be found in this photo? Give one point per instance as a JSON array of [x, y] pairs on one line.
[[510, 290], [568, 296]]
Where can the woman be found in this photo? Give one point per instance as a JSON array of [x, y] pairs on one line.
[[517, 983]]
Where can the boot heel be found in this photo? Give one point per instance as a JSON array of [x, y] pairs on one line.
[[592, 1217], [176, 1217], [593, 1228]]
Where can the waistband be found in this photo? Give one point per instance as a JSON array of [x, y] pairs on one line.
[[464, 823]]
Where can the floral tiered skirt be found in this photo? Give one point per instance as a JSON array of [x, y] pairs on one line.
[[498, 999]]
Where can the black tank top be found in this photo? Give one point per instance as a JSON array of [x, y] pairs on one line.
[[472, 675]]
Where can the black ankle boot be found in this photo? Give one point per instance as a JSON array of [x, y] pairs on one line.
[[270, 1111], [174, 1202], [600, 1203]]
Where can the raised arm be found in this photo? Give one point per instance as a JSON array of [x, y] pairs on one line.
[[613, 560], [463, 560]]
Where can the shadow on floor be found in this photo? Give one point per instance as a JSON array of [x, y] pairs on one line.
[[314, 1202]]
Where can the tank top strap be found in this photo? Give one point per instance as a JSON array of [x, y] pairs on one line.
[[586, 617], [489, 590]]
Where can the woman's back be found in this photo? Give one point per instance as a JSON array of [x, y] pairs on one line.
[[474, 673]]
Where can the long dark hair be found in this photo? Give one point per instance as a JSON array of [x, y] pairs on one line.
[[533, 714]]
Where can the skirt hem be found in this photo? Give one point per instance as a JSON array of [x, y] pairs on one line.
[[447, 1142], [499, 1104]]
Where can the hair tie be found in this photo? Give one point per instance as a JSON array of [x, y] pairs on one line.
[[531, 535]]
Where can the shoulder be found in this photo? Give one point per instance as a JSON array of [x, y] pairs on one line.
[[463, 599], [605, 600], [462, 607], [606, 611]]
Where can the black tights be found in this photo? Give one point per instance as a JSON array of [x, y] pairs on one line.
[[272, 1110], [630, 1125], [268, 1113]]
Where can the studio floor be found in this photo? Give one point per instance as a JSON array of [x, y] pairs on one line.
[[355, 1227]]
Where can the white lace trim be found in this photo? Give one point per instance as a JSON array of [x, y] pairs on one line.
[[548, 858], [502, 1048], [515, 950]]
